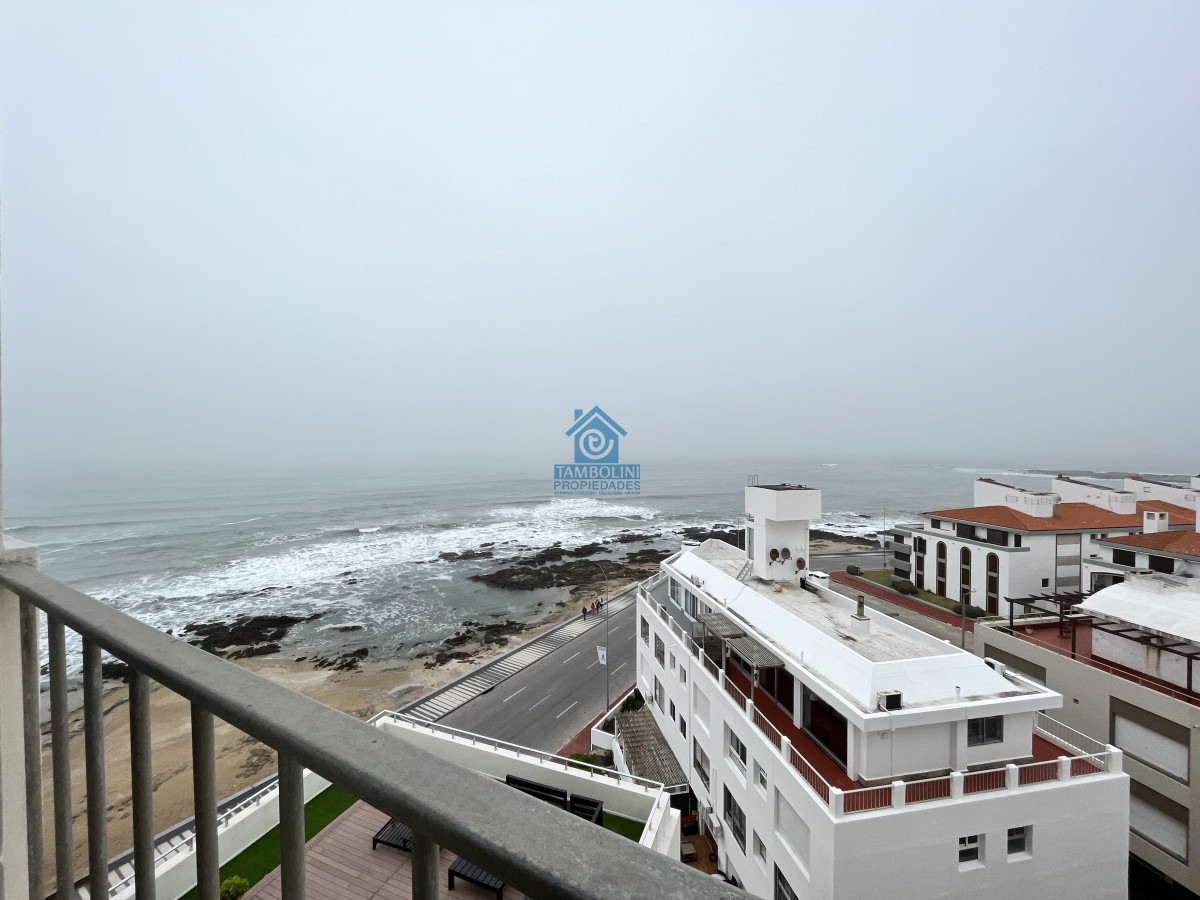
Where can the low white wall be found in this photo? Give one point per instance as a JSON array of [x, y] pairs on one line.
[[619, 797], [176, 875]]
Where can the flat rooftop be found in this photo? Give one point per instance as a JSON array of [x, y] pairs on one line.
[[783, 487], [830, 618], [816, 631]]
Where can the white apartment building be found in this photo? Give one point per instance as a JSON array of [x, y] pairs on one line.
[[1015, 542], [1125, 662], [836, 752]]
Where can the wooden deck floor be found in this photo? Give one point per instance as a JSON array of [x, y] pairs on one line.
[[341, 865]]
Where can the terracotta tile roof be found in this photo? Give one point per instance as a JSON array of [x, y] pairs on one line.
[[1067, 517], [1185, 543]]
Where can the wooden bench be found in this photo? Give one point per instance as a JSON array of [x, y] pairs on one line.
[[393, 834], [554, 795], [587, 808], [468, 871]]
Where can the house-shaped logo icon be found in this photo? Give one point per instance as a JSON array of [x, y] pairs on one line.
[[596, 436]]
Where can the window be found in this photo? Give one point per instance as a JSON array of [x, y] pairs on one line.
[[965, 531], [964, 574], [1163, 564], [989, 730], [645, 631], [700, 706], [1016, 540], [700, 761], [735, 819], [1019, 840], [682, 675], [676, 591], [941, 569], [672, 657], [737, 752], [672, 710], [993, 584], [682, 726], [783, 890], [658, 693], [970, 848], [659, 649], [760, 849], [689, 600], [760, 775], [1124, 557], [935, 523]]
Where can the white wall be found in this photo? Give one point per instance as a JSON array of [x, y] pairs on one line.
[[1088, 694], [1079, 846]]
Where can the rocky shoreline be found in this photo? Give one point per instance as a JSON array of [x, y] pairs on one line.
[[576, 569]]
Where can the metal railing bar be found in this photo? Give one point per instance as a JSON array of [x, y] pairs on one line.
[[551, 854], [143, 786], [97, 795], [291, 828], [31, 688], [204, 790], [64, 846], [426, 864]]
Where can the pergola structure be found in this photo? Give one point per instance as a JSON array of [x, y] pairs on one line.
[[735, 640], [1061, 601]]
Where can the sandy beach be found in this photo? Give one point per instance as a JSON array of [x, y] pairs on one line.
[[361, 692]]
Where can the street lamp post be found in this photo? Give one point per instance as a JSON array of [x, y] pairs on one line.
[[607, 597]]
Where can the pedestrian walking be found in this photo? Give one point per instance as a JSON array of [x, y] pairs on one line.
[[585, 612]]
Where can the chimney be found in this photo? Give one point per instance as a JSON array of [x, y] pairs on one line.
[[860, 624], [1154, 522]]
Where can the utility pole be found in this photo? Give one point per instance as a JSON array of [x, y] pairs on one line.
[[607, 597]]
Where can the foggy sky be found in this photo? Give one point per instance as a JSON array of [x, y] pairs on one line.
[[278, 231]]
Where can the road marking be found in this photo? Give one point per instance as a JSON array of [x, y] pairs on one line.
[[571, 657], [540, 702], [593, 665], [567, 710], [510, 696], [618, 668]]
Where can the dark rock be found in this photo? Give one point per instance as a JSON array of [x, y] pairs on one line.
[[256, 650], [726, 533], [647, 556], [345, 629], [465, 555], [244, 631], [115, 670]]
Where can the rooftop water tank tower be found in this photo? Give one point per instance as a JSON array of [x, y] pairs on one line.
[[777, 518]]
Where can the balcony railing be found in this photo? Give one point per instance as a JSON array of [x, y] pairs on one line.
[[1082, 756], [541, 851], [1082, 658]]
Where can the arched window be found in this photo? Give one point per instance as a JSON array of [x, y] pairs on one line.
[[941, 569], [964, 574], [993, 584]]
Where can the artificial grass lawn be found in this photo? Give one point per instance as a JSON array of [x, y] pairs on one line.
[[630, 828], [262, 857], [884, 577]]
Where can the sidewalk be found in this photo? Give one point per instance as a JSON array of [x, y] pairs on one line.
[[934, 620]]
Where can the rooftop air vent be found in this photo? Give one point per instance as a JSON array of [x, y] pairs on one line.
[[890, 700]]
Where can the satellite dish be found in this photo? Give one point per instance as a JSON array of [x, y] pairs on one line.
[[774, 555], [786, 554], [799, 563]]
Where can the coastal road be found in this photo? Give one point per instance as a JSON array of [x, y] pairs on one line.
[[552, 700]]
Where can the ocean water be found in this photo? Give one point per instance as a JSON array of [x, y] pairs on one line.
[[362, 547]]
